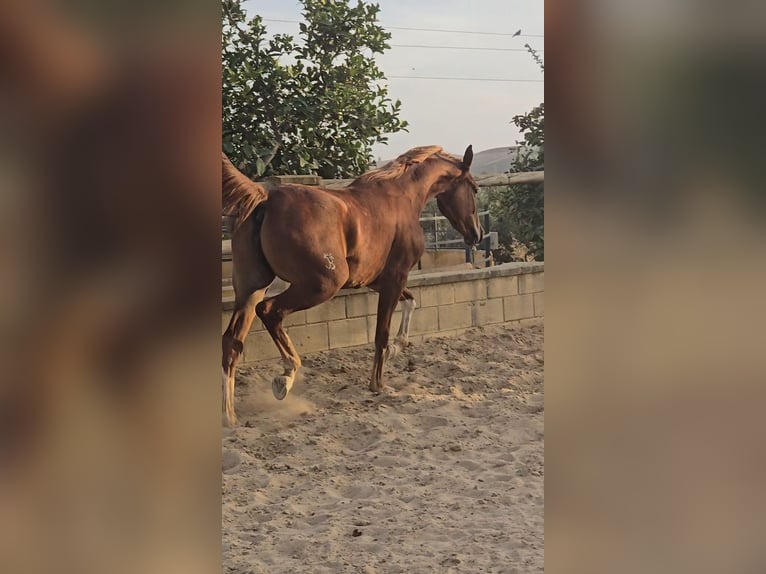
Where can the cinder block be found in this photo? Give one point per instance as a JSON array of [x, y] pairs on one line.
[[503, 286], [425, 320], [531, 283], [539, 304], [365, 304], [372, 321], [470, 290], [348, 332], [434, 295], [297, 318], [226, 269], [361, 304], [259, 346], [518, 307], [457, 316], [488, 312], [310, 338], [415, 293], [299, 179], [331, 310]]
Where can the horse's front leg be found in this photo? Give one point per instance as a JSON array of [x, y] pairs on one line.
[[389, 296]]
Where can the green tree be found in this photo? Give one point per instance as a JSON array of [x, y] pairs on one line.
[[518, 210], [315, 104]]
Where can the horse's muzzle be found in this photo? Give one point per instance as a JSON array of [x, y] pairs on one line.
[[474, 237]]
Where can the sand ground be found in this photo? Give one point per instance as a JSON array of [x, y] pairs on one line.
[[441, 473]]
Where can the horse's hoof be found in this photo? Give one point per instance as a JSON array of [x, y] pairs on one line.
[[280, 386], [230, 421], [376, 388], [392, 350]]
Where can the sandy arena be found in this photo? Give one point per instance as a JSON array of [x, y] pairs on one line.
[[441, 473]]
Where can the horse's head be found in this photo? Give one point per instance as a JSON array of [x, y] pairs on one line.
[[457, 200]]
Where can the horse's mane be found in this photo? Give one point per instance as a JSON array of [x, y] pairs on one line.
[[240, 194], [398, 167]]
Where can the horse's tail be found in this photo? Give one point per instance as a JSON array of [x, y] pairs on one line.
[[241, 195]]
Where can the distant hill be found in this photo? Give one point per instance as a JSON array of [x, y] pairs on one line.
[[488, 161], [495, 160]]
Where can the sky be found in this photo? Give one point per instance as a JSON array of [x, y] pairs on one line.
[[449, 113]]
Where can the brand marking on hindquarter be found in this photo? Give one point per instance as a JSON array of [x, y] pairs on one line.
[[330, 261]]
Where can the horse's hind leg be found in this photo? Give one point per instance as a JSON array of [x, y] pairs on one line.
[[273, 311], [252, 275], [402, 337], [233, 345]]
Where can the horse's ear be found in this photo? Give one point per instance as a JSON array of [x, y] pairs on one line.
[[468, 157]]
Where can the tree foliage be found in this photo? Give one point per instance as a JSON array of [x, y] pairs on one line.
[[518, 210], [315, 104]]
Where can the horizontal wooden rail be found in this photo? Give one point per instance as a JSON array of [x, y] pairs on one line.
[[483, 181], [511, 178], [442, 218]]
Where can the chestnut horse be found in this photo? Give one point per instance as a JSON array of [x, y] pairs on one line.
[[321, 240]]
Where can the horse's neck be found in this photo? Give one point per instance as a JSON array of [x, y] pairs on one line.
[[422, 186], [418, 187]]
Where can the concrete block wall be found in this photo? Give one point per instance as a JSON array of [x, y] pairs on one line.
[[448, 304], [431, 261]]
